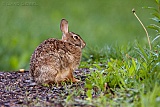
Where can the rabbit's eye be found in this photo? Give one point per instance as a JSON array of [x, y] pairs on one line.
[[75, 37]]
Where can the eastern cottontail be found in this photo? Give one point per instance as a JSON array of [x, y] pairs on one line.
[[54, 61]]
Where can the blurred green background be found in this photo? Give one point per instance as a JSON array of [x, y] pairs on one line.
[[24, 24]]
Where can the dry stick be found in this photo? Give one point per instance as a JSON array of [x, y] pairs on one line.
[[134, 12]]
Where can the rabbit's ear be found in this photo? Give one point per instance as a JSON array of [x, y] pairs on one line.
[[64, 26]]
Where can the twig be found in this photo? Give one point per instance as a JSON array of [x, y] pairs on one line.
[[134, 12]]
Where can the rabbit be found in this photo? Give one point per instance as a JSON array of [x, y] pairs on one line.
[[54, 61]]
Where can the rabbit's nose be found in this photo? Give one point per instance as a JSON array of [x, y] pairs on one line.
[[83, 44]]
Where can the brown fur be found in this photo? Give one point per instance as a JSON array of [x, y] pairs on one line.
[[54, 61]]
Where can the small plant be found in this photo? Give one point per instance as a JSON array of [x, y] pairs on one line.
[[133, 79], [134, 12], [156, 19]]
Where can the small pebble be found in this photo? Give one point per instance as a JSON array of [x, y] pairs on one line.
[[21, 70]]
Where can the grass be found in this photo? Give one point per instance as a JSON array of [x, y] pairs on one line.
[[23, 28], [131, 79], [124, 75], [121, 75]]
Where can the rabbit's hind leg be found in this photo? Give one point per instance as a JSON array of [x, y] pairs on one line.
[[65, 76], [71, 77], [61, 77]]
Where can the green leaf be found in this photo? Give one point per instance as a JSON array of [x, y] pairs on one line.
[[155, 19], [155, 27], [134, 64], [157, 15], [152, 8], [88, 83], [89, 95], [142, 53], [97, 66], [158, 36]]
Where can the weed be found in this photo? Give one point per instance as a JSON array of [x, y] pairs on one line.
[[130, 79]]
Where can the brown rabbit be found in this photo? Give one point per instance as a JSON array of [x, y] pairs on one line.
[[54, 61]]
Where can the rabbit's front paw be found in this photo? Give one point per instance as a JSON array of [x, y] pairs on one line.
[[75, 80]]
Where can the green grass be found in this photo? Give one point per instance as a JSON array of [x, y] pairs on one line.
[[100, 23], [130, 79], [127, 75], [124, 71]]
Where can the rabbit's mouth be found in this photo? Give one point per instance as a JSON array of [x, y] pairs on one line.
[[83, 44]]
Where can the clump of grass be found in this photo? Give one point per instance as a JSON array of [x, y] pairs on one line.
[[125, 76], [127, 81]]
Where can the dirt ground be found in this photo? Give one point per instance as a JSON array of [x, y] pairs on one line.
[[18, 89]]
